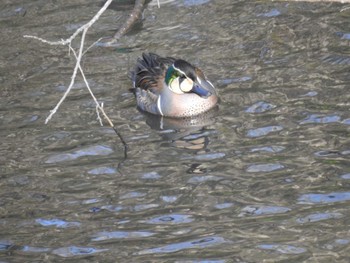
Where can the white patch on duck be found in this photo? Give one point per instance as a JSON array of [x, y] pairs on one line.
[[174, 86], [179, 70], [186, 85], [159, 106], [182, 87]]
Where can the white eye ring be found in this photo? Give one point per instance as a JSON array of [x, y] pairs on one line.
[[186, 85]]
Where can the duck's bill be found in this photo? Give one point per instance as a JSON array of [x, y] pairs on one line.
[[200, 90]]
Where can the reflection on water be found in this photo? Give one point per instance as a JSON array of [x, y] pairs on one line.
[[197, 244], [263, 178]]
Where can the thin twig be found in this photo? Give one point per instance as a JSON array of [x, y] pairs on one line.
[[100, 107], [53, 111], [92, 45], [125, 145], [68, 42], [98, 114], [82, 28]]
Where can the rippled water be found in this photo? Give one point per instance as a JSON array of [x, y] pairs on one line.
[[264, 178]]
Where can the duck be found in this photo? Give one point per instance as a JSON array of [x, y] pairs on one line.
[[171, 87]]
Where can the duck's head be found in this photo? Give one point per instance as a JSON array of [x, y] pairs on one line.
[[181, 78]]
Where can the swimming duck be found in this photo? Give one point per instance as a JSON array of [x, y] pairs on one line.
[[171, 87]]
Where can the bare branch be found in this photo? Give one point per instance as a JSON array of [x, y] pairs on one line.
[[134, 16], [99, 107], [78, 57], [98, 115], [70, 39]]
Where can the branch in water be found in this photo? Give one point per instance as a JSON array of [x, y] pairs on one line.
[[135, 15]]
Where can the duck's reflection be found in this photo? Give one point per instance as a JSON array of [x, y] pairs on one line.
[[188, 133]]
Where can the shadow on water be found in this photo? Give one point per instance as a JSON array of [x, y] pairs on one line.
[[264, 178]]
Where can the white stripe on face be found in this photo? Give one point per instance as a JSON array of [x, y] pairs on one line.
[[179, 70]]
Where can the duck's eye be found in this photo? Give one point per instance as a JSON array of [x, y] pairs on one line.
[[181, 79]]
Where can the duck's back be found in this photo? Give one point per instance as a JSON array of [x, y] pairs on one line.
[[149, 70]]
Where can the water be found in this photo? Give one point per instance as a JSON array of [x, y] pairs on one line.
[[264, 178]]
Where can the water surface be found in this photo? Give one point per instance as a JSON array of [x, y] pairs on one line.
[[264, 178]]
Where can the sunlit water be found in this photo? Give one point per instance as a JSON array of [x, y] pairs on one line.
[[264, 178]]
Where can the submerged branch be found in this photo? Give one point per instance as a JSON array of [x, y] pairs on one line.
[[135, 15]]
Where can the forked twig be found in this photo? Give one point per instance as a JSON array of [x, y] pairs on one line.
[[78, 57], [99, 107]]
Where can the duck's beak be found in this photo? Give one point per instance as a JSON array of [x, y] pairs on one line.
[[202, 88]]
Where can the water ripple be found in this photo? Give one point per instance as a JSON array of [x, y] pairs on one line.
[[265, 167], [324, 198], [283, 249], [57, 223], [5, 245], [209, 156], [198, 243], [223, 205], [195, 2], [101, 236], [120, 208], [316, 118], [273, 13], [95, 150], [332, 153], [253, 133], [318, 217], [346, 121], [345, 176], [259, 107], [142, 207], [151, 175], [169, 199], [269, 149], [170, 219], [30, 249], [103, 170], [113, 208], [202, 179], [338, 243], [234, 80], [263, 210], [73, 251], [336, 59], [132, 195], [343, 35], [310, 94]]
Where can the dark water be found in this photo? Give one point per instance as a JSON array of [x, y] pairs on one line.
[[265, 178]]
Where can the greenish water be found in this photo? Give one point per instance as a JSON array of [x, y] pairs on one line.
[[264, 178]]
